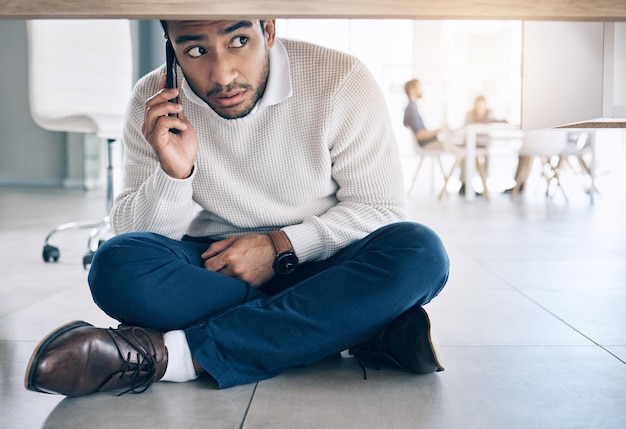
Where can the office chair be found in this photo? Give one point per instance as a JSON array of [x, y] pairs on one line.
[[424, 153], [450, 144], [577, 148], [80, 79]]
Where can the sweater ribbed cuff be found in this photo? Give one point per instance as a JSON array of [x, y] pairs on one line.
[[306, 242], [171, 189]]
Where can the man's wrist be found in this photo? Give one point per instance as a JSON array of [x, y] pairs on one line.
[[182, 176], [285, 260]]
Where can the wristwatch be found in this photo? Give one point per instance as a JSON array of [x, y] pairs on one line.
[[286, 260]]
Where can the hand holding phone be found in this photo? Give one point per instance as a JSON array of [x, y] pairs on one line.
[[170, 75]]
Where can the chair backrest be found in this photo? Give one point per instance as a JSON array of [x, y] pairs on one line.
[[544, 142], [80, 74]]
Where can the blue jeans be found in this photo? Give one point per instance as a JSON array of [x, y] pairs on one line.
[[239, 334]]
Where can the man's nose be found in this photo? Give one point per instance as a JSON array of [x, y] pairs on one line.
[[223, 70]]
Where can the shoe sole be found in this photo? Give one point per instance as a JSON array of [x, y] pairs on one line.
[[43, 344], [432, 343]]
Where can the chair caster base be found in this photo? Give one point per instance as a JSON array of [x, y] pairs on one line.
[[50, 253], [87, 258]]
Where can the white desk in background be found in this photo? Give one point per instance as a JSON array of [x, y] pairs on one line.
[[592, 125], [496, 131]]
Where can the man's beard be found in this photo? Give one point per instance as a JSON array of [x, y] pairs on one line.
[[256, 96]]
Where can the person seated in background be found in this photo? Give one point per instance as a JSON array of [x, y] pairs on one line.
[[413, 120], [480, 114]]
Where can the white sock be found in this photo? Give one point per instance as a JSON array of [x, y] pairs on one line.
[[179, 361], [346, 354]]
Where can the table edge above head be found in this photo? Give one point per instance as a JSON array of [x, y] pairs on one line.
[[553, 10], [596, 123]]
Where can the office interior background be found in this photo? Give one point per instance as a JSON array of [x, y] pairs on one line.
[[534, 74], [530, 323]]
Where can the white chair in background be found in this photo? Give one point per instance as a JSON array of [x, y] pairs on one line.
[[547, 145], [449, 144], [80, 79], [578, 147], [424, 153]]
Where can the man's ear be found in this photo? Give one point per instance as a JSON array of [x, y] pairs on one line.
[[269, 30]]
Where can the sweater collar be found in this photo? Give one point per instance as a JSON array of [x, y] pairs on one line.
[[278, 87]]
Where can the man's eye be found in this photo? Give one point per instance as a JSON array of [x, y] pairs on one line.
[[196, 52], [239, 41]]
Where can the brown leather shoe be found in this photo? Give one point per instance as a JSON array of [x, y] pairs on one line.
[[406, 344], [78, 359]]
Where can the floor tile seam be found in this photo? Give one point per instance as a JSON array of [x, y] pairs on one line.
[[38, 302], [527, 297], [520, 292], [481, 263], [555, 316], [613, 354], [245, 414]]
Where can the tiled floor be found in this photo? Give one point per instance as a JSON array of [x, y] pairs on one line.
[[531, 327]]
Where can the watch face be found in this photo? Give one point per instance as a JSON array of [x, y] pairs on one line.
[[286, 263]]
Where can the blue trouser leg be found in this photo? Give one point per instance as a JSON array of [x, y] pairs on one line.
[[149, 280], [321, 309]]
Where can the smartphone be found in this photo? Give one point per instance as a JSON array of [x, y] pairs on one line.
[[170, 74]]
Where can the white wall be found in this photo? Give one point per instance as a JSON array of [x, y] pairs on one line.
[[456, 61], [615, 70], [562, 76], [619, 69]]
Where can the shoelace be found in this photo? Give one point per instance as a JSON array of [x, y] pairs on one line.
[[146, 360], [362, 358]]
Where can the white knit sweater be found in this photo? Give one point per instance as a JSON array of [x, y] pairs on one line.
[[322, 164]]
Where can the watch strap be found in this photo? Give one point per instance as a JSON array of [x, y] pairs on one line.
[[281, 242]]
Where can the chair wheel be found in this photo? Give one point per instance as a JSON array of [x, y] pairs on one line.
[[87, 258], [50, 253]]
